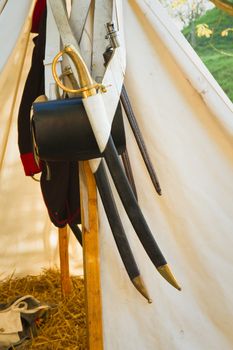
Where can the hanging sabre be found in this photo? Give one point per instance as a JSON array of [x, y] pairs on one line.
[[96, 112]]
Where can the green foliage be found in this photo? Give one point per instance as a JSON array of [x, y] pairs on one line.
[[217, 51]]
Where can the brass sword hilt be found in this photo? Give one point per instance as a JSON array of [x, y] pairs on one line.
[[87, 85]]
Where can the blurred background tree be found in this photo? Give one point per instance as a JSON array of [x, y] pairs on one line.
[[209, 30]]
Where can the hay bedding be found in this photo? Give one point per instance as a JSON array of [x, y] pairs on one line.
[[65, 327]]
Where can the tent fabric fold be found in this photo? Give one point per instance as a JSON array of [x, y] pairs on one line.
[[192, 221]]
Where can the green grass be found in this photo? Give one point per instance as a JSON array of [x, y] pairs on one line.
[[217, 51]]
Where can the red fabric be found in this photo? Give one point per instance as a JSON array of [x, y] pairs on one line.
[[37, 14], [29, 164]]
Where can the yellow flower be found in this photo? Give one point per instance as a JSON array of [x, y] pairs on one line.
[[225, 32], [203, 30]]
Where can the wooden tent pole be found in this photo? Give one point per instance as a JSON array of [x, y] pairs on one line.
[[91, 263], [66, 284]]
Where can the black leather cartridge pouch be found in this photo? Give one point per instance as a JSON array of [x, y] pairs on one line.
[[61, 131]]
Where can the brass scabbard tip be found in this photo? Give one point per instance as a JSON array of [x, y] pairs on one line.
[[165, 271], [139, 284]]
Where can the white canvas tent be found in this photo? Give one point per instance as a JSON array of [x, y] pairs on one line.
[[187, 122]]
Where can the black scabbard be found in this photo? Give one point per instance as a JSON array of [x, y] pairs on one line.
[[115, 223], [131, 206], [128, 171], [118, 230], [139, 139]]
